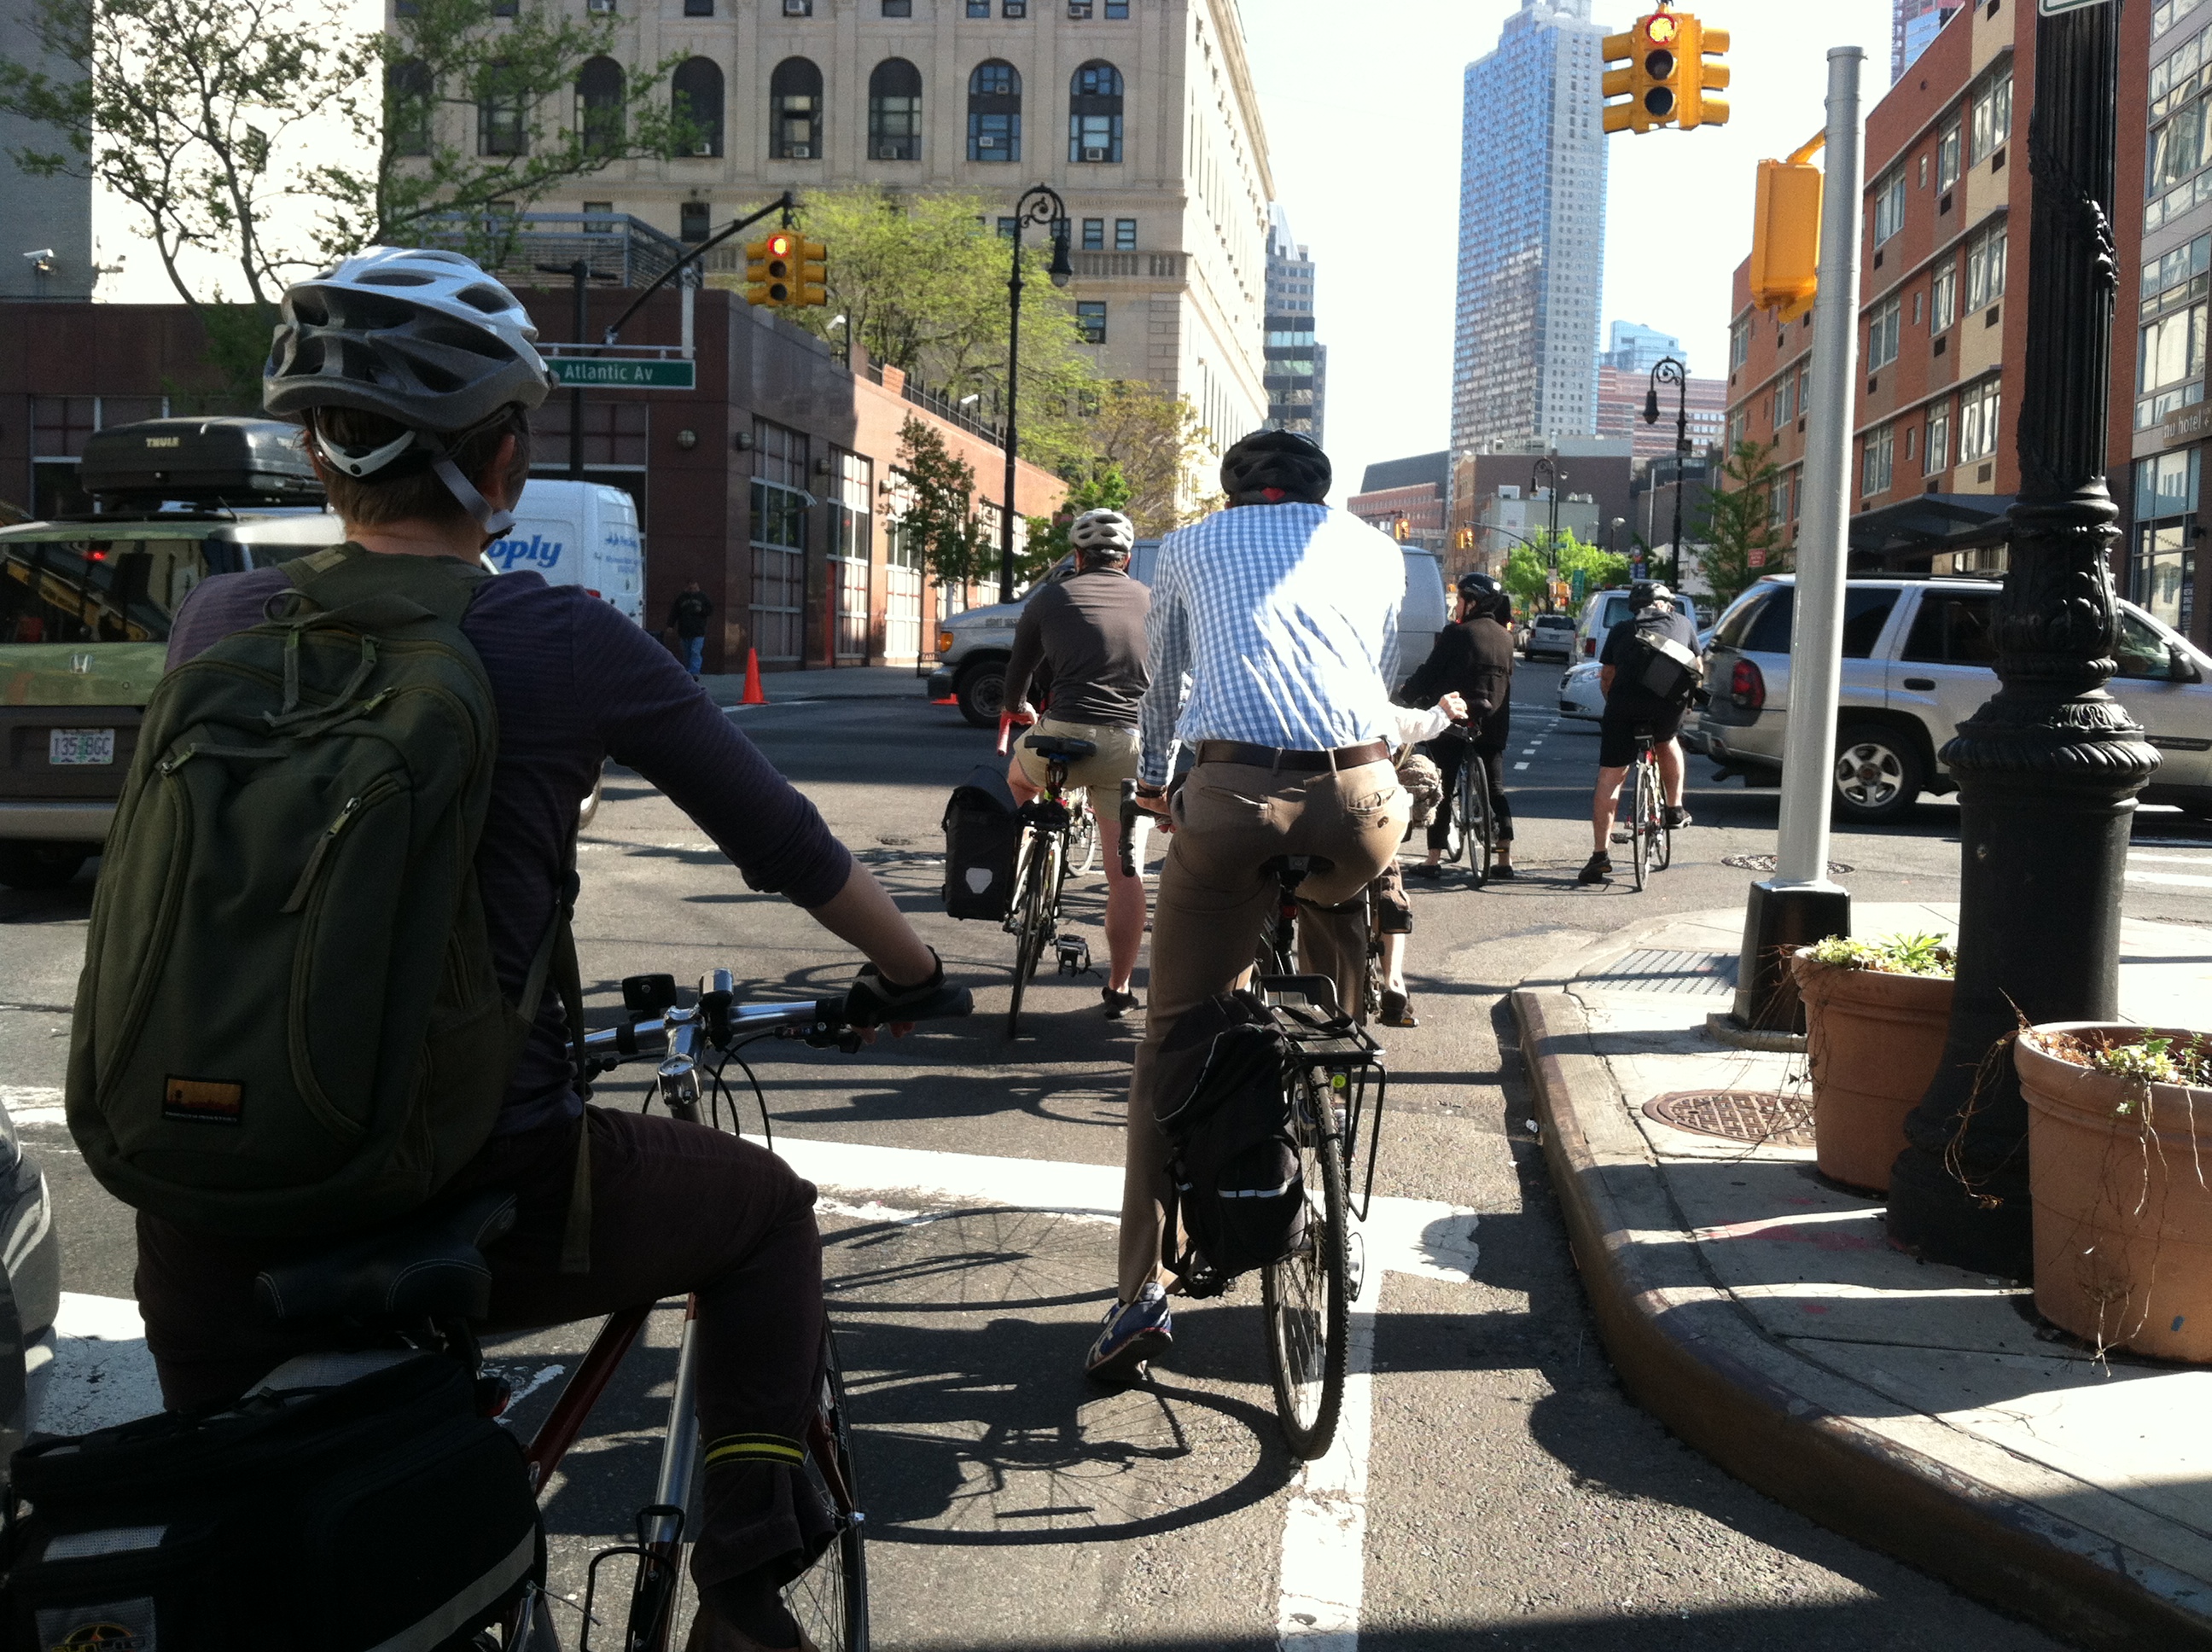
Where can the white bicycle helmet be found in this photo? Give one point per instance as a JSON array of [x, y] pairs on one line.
[[421, 335], [1102, 533]]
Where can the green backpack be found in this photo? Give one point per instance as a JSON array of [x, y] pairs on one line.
[[288, 1023]]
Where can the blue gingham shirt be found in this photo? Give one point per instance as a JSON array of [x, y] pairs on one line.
[[1274, 624]]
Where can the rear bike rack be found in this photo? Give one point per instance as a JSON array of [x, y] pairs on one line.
[[1348, 1063]]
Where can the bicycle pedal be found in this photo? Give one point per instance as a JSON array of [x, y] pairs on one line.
[[1074, 955]]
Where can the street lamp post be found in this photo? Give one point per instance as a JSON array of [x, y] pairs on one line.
[[1669, 371], [1040, 204], [2048, 770], [1549, 466]]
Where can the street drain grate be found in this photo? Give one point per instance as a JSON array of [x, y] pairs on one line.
[[1768, 863], [1759, 1116]]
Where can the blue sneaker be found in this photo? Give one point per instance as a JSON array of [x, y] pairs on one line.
[[1134, 1333]]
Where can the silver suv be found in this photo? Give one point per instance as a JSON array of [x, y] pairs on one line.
[[1918, 660]]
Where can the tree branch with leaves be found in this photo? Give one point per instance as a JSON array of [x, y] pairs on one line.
[[1740, 545]]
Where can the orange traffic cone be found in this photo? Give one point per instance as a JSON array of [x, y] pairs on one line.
[[755, 694]]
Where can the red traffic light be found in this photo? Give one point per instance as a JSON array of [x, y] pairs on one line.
[[1661, 29], [783, 247]]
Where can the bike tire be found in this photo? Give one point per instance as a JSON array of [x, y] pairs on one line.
[[1482, 827], [1083, 842], [1663, 835], [1639, 827], [1038, 898], [830, 1597], [1306, 1297]]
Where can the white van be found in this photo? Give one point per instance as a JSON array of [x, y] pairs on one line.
[[578, 533]]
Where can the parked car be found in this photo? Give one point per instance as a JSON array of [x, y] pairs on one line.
[[1580, 694], [30, 1286], [86, 603], [1550, 635], [581, 533], [973, 648], [1603, 610], [1918, 660]]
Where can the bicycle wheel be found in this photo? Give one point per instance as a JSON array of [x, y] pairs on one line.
[[1083, 840], [1639, 826], [830, 1597], [1033, 933], [1306, 1298], [1663, 835], [1481, 825], [1455, 828]]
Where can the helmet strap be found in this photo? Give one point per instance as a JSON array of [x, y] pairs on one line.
[[493, 522]]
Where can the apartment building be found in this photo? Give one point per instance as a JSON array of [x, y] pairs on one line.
[[1943, 316], [1141, 114], [1298, 363]]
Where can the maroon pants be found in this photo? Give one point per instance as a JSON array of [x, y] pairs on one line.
[[675, 1209]]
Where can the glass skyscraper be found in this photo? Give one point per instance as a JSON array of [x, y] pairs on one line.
[[1531, 232]]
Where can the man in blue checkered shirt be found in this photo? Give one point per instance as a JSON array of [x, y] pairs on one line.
[[1274, 635]]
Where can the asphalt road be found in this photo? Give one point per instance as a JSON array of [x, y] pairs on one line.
[[1503, 1493]]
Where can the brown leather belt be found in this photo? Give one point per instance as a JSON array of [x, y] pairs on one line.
[[1307, 763]]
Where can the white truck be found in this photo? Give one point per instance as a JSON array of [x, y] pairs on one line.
[[580, 533]]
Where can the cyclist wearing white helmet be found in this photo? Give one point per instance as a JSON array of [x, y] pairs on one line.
[[1084, 636], [414, 373]]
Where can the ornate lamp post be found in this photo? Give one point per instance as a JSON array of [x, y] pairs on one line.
[[1548, 466], [1669, 371], [2049, 770], [1040, 205]]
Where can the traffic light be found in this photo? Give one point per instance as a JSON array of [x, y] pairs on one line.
[[1464, 540], [1785, 238], [813, 274], [1701, 78], [1403, 530], [771, 268], [1653, 80]]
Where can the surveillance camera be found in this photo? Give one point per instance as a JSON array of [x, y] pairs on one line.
[[43, 255]]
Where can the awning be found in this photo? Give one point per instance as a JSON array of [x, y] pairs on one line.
[[1904, 537]]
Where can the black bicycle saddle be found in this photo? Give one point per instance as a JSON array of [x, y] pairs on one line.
[[1062, 746], [430, 1266]]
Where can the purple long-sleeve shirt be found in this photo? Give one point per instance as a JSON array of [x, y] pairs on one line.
[[576, 684]]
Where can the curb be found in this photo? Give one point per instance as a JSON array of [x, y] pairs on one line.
[[1790, 1428]]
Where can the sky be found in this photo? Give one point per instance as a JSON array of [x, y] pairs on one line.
[[1362, 106]]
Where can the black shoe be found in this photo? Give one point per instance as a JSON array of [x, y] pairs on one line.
[[1676, 818], [1428, 869], [1397, 1010], [1599, 869], [1503, 872], [1118, 1004]]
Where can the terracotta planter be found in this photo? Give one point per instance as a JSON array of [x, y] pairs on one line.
[[2117, 1172], [1873, 1042]]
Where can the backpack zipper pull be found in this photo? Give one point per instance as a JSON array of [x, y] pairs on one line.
[[315, 860]]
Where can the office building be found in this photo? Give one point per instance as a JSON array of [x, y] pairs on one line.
[[1406, 497], [1632, 347], [48, 252], [1297, 363], [1622, 398], [1531, 232], [1913, 24], [1141, 113]]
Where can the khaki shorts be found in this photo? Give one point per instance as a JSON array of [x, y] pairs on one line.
[[1104, 770]]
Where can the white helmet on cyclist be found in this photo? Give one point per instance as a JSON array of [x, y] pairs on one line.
[[1101, 536]]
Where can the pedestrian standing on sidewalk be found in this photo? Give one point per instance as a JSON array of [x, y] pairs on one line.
[[1087, 632], [1472, 657], [690, 616], [1273, 632]]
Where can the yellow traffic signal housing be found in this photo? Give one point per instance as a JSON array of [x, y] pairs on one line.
[[1785, 238], [813, 274], [1701, 78], [1402, 529], [771, 267], [1623, 83]]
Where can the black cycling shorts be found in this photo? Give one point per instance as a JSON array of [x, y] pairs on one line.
[[1617, 733]]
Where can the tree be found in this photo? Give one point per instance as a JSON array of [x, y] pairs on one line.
[[1740, 541], [940, 520], [1104, 488], [1527, 575], [1160, 447]]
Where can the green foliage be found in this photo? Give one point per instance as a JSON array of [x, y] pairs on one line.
[[1896, 955], [1105, 488], [1527, 574], [2149, 1058], [1158, 445], [940, 520], [237, 346], [1736, 524]]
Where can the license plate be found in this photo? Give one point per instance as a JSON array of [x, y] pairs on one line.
[[66, 746]]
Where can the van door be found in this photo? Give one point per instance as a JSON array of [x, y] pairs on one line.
[[618, 573], [1947, 670]]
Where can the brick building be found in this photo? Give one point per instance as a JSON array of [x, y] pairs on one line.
[[1943, 313], [1620, 396], [771, 483]]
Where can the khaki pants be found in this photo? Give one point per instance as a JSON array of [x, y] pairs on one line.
[[1213, 900]]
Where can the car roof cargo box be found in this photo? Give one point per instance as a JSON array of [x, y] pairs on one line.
[[207, 462]]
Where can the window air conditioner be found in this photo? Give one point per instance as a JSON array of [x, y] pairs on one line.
[[1092, 152], [799, 7], [800, 151], [987, 141], [599, 6], [1078, 8], [704, 148], [887, 152]]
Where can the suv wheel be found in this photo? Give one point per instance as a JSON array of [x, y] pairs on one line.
[[39, 866], [981, 691], [1877, 774]]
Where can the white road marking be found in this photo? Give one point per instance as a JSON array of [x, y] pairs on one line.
[[32, 1103], [1324, 1567], [2174, 879], [1517, 768], [2178, 859]]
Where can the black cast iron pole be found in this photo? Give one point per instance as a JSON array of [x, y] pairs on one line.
[[1040, 204], [1549, 466], [2049, 768], [1670, 371]]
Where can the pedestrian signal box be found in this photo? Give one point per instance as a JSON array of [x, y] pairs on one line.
[[771, 272], [1785, 239]]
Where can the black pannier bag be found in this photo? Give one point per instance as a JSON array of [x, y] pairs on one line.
[[982, 830], [1232, 1156], [383, 1513]]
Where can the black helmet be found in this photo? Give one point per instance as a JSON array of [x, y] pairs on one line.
[[1648, 593], [1483, 595], [1275, 467]]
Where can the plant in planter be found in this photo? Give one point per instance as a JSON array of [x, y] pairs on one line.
[[2119, 1125], [1876, 1014]]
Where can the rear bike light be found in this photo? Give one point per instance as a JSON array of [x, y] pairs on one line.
[[1746, 686]]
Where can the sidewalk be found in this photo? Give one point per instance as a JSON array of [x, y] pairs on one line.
[[1760, 1313], [850, 683]]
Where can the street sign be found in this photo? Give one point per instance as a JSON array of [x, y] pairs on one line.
[[2053, 7], [622, 373]]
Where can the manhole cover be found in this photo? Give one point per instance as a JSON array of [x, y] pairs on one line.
[[1760, 1116], [1768, 863]]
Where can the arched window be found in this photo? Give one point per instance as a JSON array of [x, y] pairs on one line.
[[407, 102], [1094, 113], [599, 104], [695, 93], [794, 101], [895, 110], [994, 112]]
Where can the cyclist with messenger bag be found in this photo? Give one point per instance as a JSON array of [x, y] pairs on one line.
[[1651, 673], [411, 917]]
